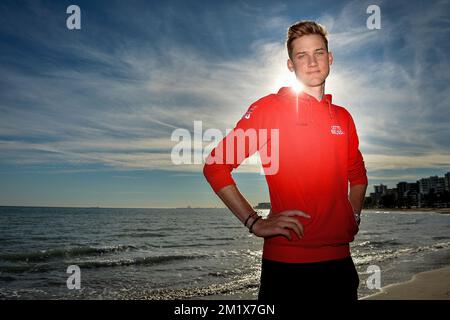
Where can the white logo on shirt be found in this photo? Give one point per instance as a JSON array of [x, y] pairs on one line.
[[249, 111], [336, 130]]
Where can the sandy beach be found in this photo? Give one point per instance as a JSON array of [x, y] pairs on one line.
[[429, 285]]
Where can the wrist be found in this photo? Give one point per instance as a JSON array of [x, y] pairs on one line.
[[357, 215], [250, 218], [252, 224], [357, 211]]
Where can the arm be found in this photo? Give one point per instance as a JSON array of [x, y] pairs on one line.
[[357, 173], [356, 197], [273, 225], [235, 201], [220, 163], [217, 172]]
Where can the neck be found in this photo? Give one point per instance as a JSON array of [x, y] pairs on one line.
[[316, 92]]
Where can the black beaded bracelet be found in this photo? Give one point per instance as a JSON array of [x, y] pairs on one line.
[[249, 216], [256, 219]]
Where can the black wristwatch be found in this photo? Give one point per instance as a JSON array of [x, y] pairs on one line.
[[358, 218]]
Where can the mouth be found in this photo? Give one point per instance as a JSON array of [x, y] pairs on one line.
[[313, 72]]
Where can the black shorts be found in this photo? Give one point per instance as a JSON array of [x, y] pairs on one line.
[[328, 280]]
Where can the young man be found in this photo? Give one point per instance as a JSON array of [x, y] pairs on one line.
[[313, 219]]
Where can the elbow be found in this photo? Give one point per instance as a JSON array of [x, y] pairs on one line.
[[217, 176], [209, 170], [205, 170], [209, 174], [358, 182], [358, 175]]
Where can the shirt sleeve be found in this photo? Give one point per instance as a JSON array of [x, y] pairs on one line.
[[239, 144], [357, 173]]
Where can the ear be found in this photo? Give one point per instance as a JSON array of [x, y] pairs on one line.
[[330, 58], [290, 65]]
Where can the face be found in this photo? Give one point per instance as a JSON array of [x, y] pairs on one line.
[[310, 60]]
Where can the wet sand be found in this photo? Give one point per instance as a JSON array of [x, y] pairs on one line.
[[429, 285]]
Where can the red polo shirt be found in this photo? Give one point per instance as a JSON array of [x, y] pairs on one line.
[[318, 156]]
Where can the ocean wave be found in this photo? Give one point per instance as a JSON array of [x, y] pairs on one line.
[[378, 243], [219, 238], [406, 223], [150, 229], [225, 273], [236, 284], [378, 256], [24, 268], [45, 255], [7, 278], [230, 227], [440, 237], [186, 245], [136, 261], [142, 235]]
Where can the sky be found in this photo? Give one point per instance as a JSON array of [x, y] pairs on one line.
[[87, 116]]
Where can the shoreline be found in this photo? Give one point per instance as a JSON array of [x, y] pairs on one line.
[[428, 285], [438, 210]]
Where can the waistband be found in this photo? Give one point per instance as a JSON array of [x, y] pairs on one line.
[[298, 254]]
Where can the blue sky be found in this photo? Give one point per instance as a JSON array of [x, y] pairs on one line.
[[86, 116]]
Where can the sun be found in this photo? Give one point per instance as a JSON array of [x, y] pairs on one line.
[[288, 79], [296, 85]]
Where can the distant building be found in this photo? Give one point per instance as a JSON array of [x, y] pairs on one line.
[[377, 195], [402, 188], [447, 181], [425, 185], [440, 185], [412, 198], [262, 205], [408, 194], [381, 189], [433, 184]]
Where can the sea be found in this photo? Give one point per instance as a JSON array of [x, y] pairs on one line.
[[185, 253]]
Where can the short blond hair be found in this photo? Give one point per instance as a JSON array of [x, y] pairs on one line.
[[303, 28]]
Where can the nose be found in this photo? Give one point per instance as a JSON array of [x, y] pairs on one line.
[[312, 61]]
